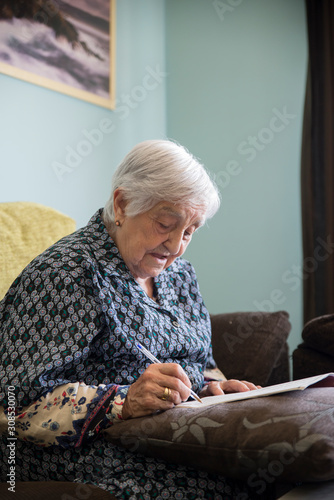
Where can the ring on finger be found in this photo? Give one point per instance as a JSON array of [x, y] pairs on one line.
[[166, 394]]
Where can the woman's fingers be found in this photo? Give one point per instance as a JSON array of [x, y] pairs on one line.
[[227, 386], [237, 386], [172, 370], [211, 389], [160, 387]]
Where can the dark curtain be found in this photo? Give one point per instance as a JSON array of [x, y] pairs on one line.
[[317, 170]]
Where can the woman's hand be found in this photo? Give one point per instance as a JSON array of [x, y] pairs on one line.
[[145, 395], [227, 386]]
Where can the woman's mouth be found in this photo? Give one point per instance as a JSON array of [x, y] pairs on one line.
[[160, 257]]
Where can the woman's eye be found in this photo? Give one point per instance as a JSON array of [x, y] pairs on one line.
[[163, 226]]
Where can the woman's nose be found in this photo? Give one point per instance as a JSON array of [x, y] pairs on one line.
[[174, 242]]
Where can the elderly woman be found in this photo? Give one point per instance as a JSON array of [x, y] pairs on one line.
[[70, 324]]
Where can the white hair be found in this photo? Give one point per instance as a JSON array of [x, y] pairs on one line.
[[161, 170]]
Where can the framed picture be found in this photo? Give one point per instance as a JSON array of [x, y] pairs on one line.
[[64, 45]]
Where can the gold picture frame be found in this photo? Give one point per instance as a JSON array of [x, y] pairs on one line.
[[68, 49]]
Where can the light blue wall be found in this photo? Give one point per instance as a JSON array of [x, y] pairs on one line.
[[37, 126], [233, 68]]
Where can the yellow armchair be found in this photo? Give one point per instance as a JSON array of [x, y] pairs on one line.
[[26, 230]]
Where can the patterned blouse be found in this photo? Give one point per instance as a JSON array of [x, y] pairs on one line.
[[68, 331]]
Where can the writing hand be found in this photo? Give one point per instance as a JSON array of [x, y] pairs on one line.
[[144, 395]]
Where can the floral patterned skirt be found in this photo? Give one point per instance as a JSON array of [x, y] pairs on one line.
[[123, 474]]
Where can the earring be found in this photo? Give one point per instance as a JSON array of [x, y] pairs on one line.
[[117, 222]]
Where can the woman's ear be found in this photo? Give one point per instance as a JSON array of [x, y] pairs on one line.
[[119, 204]]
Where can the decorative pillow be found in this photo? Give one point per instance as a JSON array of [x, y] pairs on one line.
[[249, 345], [319, 334], [285, 437], [308, 362], [26, 230]]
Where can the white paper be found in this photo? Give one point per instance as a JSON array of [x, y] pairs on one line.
[[294, 385]]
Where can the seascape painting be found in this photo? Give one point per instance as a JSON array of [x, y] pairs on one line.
[[67, 46]]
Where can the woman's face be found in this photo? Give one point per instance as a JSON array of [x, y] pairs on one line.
[[151, 241]]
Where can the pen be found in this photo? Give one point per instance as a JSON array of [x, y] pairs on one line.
[[152, 358]]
